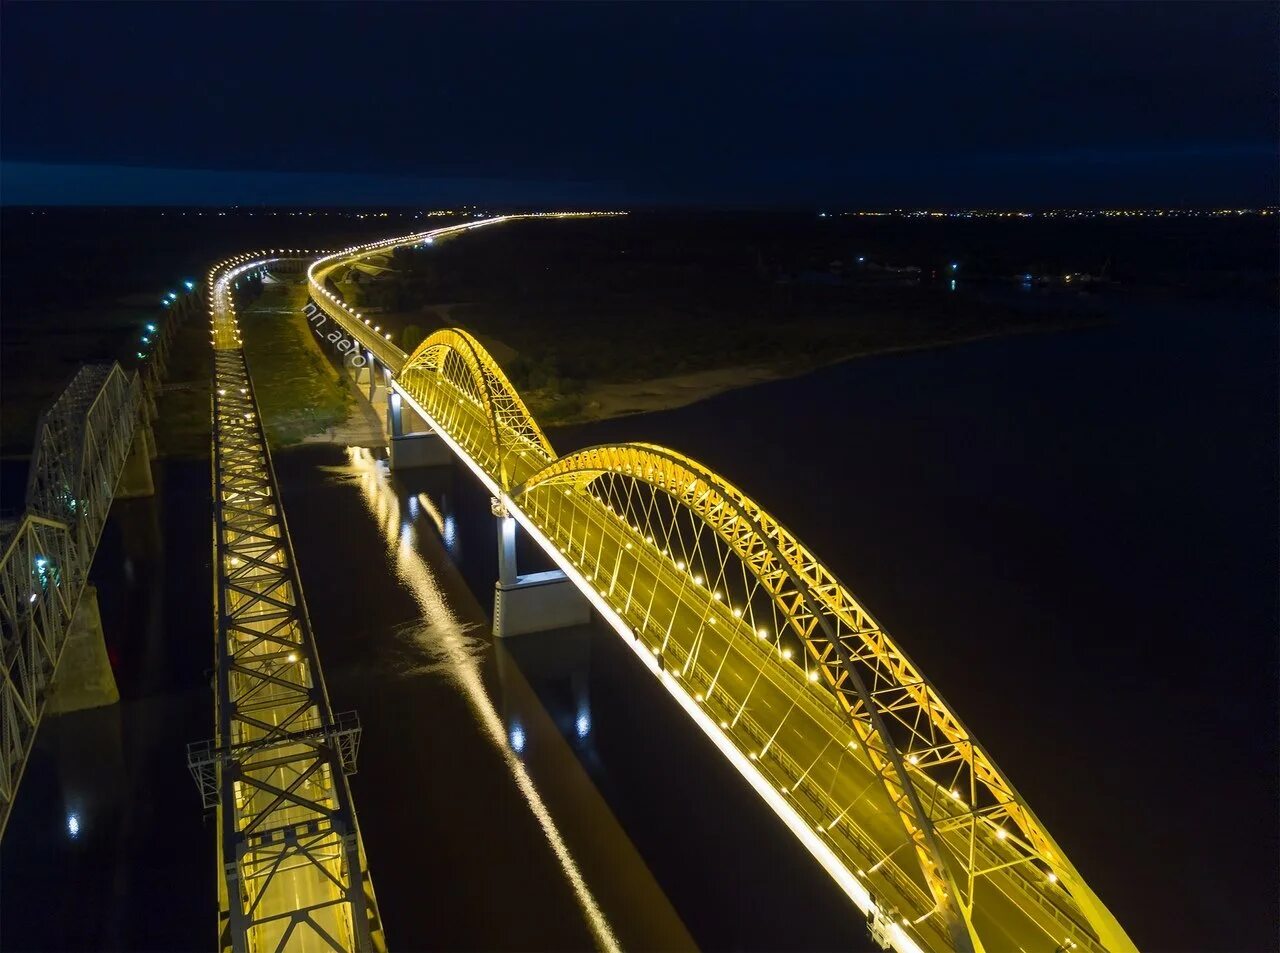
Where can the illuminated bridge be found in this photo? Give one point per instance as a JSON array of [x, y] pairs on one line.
[[92, 446], [292, 863], [793, 680]]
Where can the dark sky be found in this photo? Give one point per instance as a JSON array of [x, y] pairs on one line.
[[835, 105]]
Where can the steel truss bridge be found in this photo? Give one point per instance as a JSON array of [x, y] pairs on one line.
[[769, 653], [82, 444], [293, 869]]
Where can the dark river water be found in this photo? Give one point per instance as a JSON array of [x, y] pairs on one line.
[[1074, 534]]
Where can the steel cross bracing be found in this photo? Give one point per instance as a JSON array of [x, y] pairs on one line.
[[706, 576], [805, 685], [451, 374], [82, 443], [295, 874]]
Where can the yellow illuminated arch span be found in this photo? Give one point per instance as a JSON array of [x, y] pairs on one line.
[[457, 380], [958, 809]]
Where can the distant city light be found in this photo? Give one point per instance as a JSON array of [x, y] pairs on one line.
[[73, 825], [1066, 213], [583, 724], [517, 739]]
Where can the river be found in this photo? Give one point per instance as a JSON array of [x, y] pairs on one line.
[[1074, 534]]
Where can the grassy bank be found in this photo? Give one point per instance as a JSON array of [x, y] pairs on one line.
[[299, 390], [592, 320]]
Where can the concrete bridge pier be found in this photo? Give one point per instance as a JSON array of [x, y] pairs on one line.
[[135, 479], [413, 443], [149, 437], [533, 602], [84, 678], [370, 374], [150, 411]]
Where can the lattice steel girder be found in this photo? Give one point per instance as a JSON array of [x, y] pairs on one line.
[[82, 443], [893, 710], [277, 769]]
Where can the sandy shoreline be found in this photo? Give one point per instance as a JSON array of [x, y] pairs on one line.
[[607, 401], [364, 425]]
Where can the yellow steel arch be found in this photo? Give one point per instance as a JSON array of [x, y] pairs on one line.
[[918, 747], [464, 363]]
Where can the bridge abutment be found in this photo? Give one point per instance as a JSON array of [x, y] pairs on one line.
[[534, 602], [135, 479], [149, 437], [84, 678], [367, 376]]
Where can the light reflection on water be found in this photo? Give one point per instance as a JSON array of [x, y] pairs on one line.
[[454, 650]]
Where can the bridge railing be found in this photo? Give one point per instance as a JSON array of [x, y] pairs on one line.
[[359, 327], [354, 321], [967, 825], [823, 813]]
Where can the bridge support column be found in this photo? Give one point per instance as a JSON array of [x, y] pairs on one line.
[[135, 479], [395, 414], [421, 449], [149, 435], [84, 678], [534, 602]]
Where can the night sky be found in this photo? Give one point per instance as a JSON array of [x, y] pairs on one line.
[[830, 105]]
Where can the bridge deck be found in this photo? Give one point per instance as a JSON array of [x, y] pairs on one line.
[[790, 723], [760, 695], [296, 875]]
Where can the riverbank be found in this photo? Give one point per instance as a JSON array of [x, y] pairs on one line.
[[606, 401], [592, 321], [300, 393], [287, 414]]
